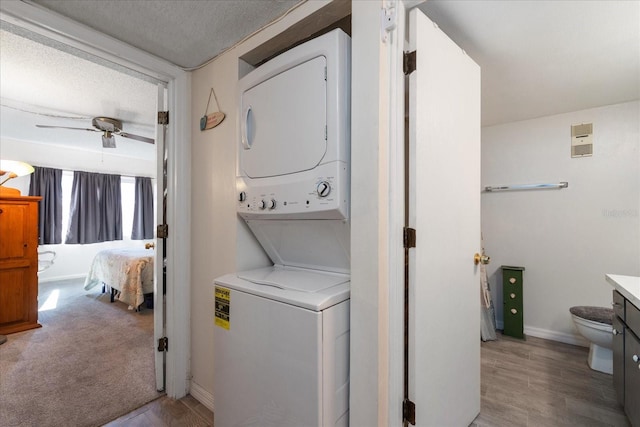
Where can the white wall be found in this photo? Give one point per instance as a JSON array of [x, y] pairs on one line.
[[370, 210], [72, 260], [566, 239], [221, 243]]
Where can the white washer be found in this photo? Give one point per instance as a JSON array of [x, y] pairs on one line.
[[284, 359]]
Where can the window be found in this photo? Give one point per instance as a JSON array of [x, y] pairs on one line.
[[128, 200]]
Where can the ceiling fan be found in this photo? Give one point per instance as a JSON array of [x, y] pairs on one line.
[[109, 127]]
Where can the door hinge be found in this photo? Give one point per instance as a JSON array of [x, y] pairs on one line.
[[162, 231], [408, 412], [163, 117], [409, 62], [163, 344], [409, 237]]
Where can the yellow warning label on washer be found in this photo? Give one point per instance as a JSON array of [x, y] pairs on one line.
[[223, 303]]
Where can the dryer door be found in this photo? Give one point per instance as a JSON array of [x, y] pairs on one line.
[[283, 122]]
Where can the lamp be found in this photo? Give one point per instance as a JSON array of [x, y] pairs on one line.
[[10, 169]]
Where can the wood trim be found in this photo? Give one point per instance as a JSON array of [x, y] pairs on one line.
[[11, 197], [336, 14], [9, 192]]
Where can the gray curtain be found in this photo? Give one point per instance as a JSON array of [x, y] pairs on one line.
[[143, 210], [47, 183], [111, 208], [95, 211]]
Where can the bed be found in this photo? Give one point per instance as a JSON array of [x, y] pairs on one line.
[[128, 273]]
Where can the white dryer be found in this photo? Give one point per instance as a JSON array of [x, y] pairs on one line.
[[281, 339]]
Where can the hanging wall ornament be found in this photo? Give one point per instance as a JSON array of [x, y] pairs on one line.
[[209, 121]]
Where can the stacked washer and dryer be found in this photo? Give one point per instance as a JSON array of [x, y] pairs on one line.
[[282, 332]]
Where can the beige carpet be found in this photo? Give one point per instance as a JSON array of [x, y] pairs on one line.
[[91, 362]]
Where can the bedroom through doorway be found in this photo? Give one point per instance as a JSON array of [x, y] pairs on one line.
[[59, 87]]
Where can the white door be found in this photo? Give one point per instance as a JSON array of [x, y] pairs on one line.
[[444, 208], [161, 250]]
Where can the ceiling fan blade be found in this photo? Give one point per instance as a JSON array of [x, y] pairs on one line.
[[136, 137], [108, 141], [66, 127]]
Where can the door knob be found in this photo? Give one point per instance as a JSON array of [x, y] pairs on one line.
[[481, 259], [150, 246]]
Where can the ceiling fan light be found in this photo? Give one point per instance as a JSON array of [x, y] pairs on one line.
[[107, 124], [108, 140]]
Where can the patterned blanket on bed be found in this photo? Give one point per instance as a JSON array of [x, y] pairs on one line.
[[130, 271]]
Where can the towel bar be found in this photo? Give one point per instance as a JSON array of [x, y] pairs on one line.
[[558, 185]]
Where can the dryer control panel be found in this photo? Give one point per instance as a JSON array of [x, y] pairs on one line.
[[321, 193]]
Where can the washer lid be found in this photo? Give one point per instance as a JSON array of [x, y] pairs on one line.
[[316, 245], [292, 279], [314, 290]]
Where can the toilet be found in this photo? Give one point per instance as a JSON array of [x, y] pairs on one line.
[[594, 324]]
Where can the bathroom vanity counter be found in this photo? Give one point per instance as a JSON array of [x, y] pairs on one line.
[[628, 286], [626, 343]]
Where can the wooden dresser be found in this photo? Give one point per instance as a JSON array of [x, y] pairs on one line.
[[18, 263]]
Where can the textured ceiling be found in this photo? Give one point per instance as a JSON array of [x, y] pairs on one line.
[[45, 82], [38, 75], [541, 58], [43, 85], [184, 32], [538, 57]]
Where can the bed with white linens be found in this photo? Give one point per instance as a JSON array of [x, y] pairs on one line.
[[128, 273]]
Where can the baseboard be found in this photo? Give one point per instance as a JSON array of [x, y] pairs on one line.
[[547, 334], [201, 395], [57, 278], [556, 336]]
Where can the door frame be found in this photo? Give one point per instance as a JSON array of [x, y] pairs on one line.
[[54, 26]]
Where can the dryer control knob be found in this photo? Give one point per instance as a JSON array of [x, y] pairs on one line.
[[323, 188], [271, 204], [242, 197], [262, 204]]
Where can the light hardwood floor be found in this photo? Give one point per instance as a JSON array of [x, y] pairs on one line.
[[167, 412], [524, 383], [544, 383]]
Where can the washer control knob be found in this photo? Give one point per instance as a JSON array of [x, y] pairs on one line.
[[242, 197], [262, 204], [323, 188], [271, 204]]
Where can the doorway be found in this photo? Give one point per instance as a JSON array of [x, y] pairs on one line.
[[28, 18]]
